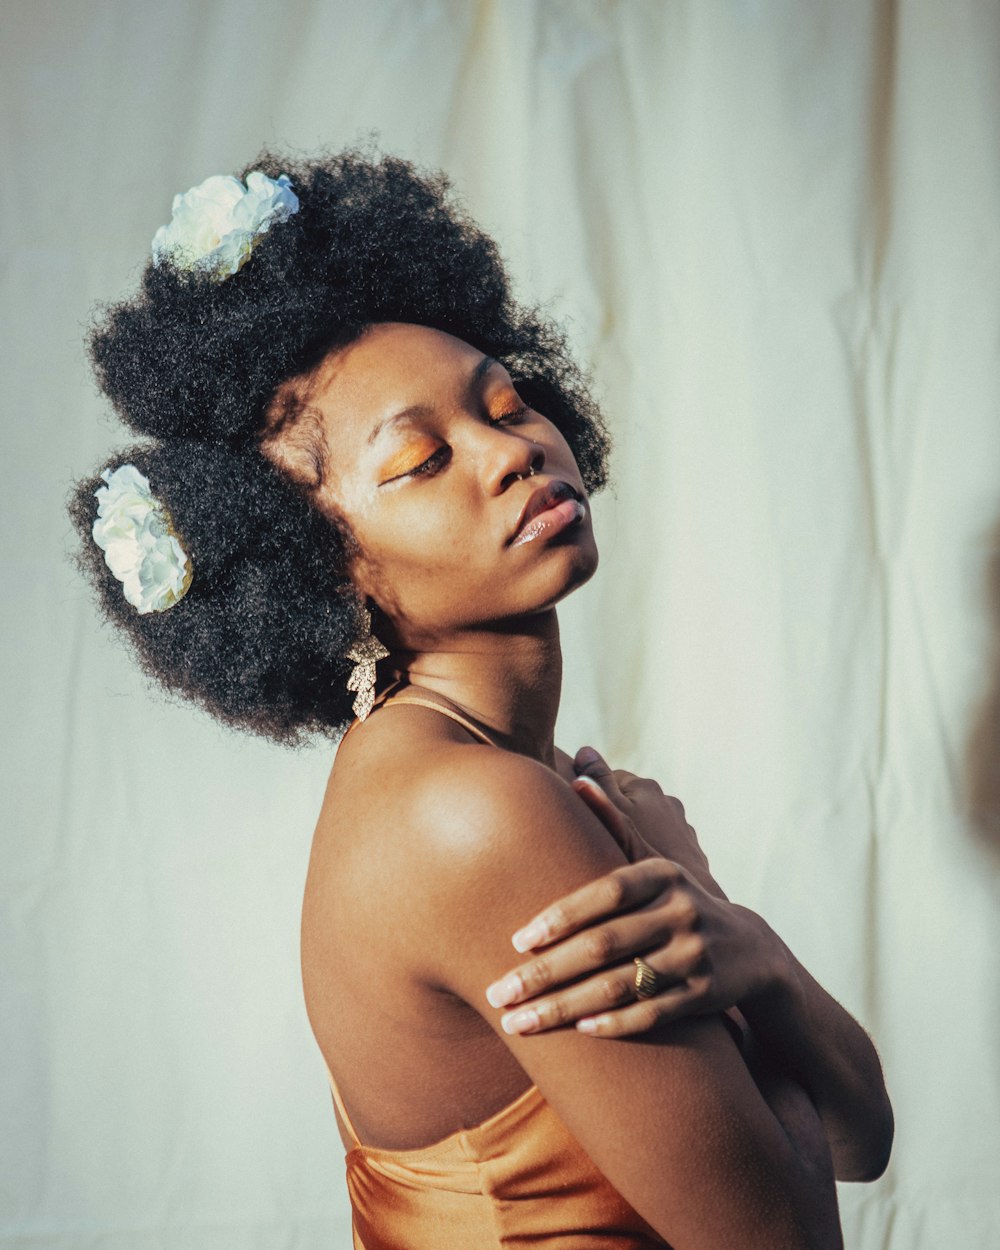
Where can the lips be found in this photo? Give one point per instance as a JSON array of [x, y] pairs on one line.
[[540, 500]]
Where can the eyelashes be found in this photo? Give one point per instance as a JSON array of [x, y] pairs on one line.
[[509, 416], [442, 455], [432, 463]]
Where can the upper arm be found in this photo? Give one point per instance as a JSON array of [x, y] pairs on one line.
[[672, 1118]]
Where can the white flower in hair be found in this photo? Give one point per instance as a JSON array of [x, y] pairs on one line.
[[216, 225], [140, 547]]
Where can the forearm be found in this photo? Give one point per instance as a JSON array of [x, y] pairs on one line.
[[809, 1034], [792, 1107], [799, 1027], [818, 1043]]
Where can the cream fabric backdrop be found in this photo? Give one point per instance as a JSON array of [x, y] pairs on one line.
[[774, 229]]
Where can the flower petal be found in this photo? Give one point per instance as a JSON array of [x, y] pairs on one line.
[[215, 225]]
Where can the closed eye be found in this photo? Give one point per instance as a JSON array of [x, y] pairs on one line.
[[510, 416], [434, 461], [440, 457]]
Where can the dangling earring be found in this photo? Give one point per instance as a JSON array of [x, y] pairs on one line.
[[364, 652]]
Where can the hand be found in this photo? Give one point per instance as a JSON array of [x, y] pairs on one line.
[[711, 953], [643, 819]]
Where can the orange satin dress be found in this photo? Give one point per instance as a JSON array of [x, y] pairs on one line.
[[518, 1179]]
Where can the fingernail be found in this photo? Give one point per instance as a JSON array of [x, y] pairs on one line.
[[520, 1021], [586, 756], [587, 1025], [504, 991], [524, 939], [589, 781]]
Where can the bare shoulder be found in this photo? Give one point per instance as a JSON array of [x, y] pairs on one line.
[[672, 1117], [415, 803], [505, 829], [461, 844], [413, 759], [414, 800], [463, 811], [481, 800]]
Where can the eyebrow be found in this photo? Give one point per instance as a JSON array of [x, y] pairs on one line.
[[422, 410]]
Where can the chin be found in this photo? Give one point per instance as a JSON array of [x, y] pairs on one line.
[[579, 569]]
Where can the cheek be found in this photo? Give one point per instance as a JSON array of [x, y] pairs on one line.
[[431, 544], [423, 548]]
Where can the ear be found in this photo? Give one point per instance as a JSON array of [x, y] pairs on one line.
[[372, 594], [365, 581]]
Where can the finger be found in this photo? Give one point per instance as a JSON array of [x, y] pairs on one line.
[[612, 988], [619, 890], [674, 1003], [620, 826], [612, 994], [599, 800], [595, 949], [590, 763], [589, 760], [631, 785]]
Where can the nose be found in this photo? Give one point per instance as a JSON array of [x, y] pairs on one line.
[[514, 457]]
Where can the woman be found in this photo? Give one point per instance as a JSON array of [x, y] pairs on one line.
[[367, 492]]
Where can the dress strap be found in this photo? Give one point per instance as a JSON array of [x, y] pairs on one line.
[[339, 1103], [440, 707], [383, 700], [379, 700]]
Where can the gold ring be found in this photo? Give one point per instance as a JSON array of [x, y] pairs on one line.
[[647, 979]]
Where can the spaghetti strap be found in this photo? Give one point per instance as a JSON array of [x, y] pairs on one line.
[[379, 700], [440, 707], [383, 700], [339, 1102]]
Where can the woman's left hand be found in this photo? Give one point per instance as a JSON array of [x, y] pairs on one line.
[[709, 953]]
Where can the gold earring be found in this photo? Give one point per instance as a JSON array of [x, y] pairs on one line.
[[364, 652]]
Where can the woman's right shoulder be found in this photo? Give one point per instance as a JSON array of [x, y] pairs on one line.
[[673, 1118], [410, 747], [414, 792], [413, 769]]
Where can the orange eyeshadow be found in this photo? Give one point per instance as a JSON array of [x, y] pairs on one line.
[[410, 457]]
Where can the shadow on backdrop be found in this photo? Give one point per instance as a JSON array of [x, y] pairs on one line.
[[983, 751]]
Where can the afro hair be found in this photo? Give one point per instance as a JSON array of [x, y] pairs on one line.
[[193, 364]]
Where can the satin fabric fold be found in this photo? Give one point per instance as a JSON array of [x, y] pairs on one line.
[[519, 1178]]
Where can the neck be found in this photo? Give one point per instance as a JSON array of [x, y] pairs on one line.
[[507, 678]]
